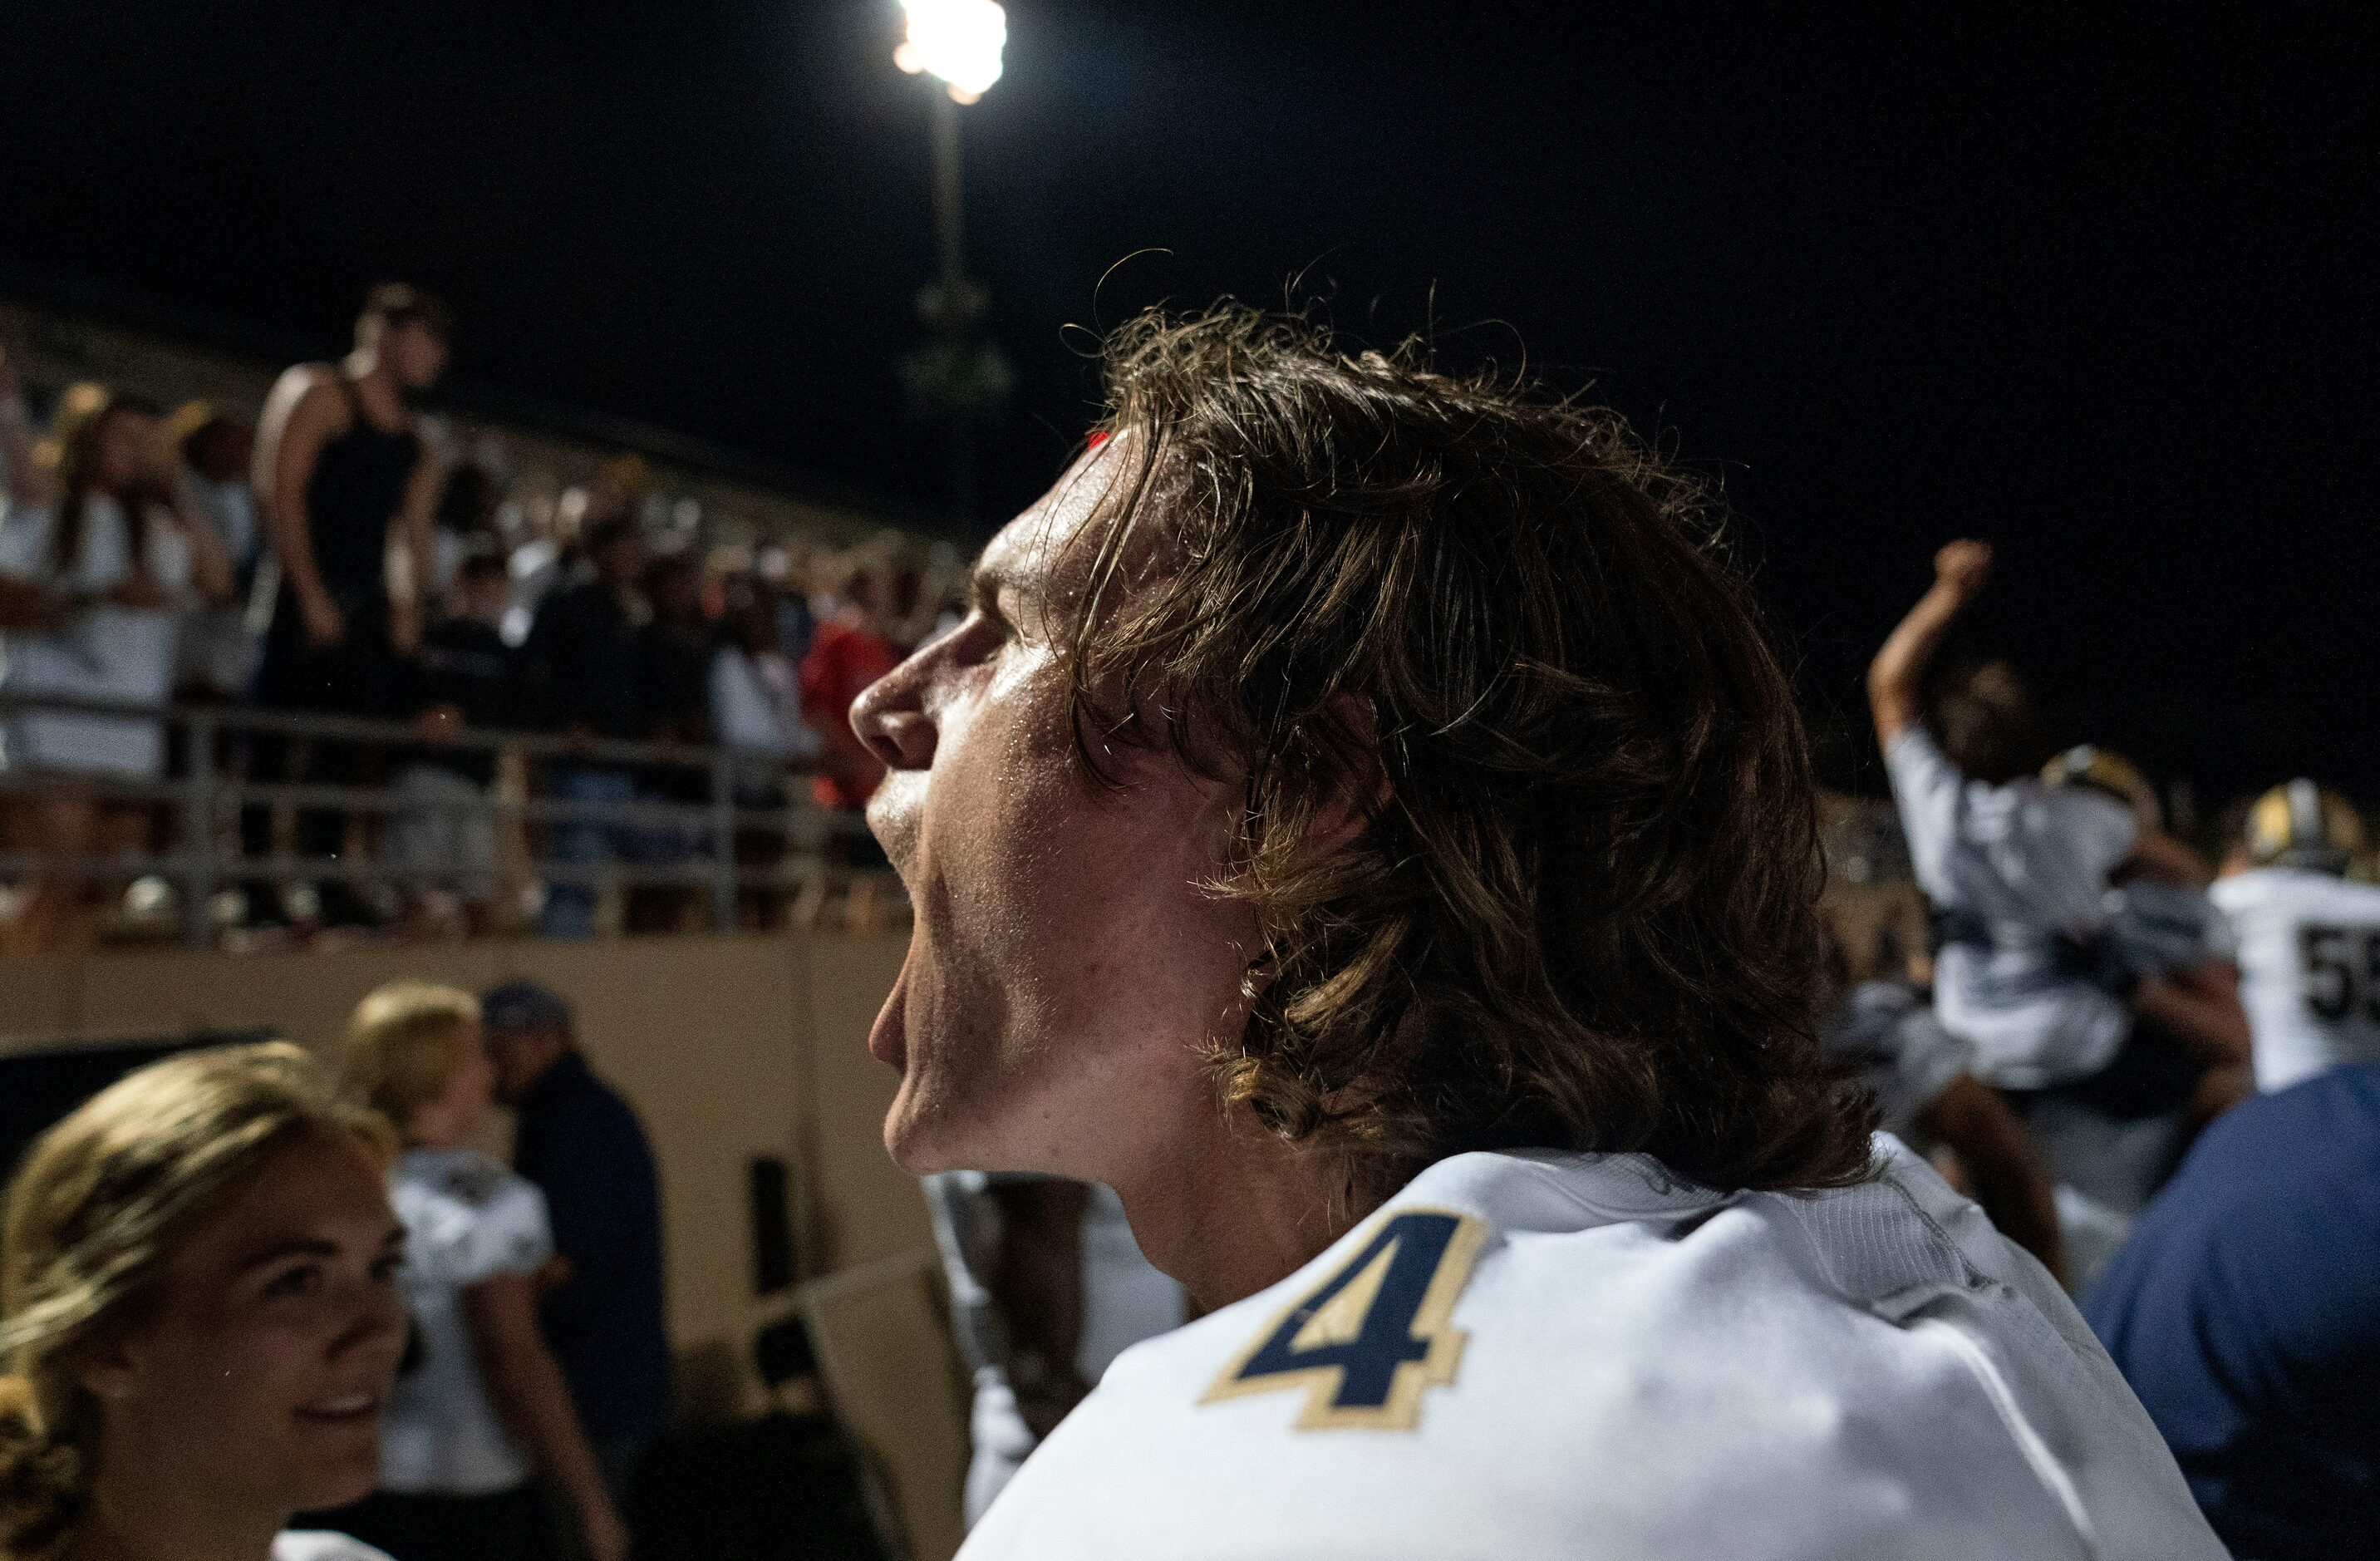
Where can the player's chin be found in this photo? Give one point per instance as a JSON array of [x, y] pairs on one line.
[[889, 1043], [920, 1138], [943, 1117]]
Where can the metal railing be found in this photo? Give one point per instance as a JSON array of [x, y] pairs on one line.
[[208, 795]]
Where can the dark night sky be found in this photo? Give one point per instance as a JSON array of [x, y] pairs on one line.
[[2096, 282]]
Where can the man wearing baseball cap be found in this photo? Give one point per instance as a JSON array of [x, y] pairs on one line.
[[584, 1147]]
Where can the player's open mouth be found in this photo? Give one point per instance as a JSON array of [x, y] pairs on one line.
[[348, 1409]]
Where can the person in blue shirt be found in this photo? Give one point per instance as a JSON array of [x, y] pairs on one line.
[[2244, 1313], [582, 1146]]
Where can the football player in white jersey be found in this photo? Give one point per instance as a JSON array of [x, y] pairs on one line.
[[1360, 820], [2308, 937], [2017, 870]]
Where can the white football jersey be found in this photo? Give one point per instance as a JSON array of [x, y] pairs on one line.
[[1574, 1356], [2309, 969], [2026, 864], [466, 1219]]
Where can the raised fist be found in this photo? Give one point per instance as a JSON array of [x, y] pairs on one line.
[[1964, 565]]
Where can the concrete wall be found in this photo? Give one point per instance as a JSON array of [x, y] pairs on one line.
[[728, 1047]]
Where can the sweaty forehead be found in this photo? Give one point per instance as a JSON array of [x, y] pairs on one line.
[[1048, 550]]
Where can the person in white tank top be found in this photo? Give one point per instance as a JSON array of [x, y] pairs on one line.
[[2309, 935], [1360, 820]]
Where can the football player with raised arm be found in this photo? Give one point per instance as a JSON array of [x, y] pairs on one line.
[[2018, 871], [2308, 937], [1360, 820]]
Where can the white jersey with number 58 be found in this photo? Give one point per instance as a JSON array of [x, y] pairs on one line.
[[2309, 969], [1580, 1356]]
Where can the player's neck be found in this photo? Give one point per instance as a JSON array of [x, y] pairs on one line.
[[1238, 1210]]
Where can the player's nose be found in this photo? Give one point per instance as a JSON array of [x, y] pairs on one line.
[[890, 718]]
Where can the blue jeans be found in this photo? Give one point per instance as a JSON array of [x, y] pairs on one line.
[[570, 908]]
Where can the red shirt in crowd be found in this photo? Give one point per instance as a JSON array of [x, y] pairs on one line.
[[842, 660]]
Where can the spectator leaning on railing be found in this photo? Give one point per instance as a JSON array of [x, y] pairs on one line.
[[444, 836], [672, 653], [756, 697], [465, 524], [756, 712], [94, 566], [852, 648], [220, 643], [579, 670]]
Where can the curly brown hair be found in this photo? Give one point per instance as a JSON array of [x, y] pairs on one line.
[[1578, 907]]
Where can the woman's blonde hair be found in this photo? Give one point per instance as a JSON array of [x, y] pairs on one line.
[[93, 1214], [405, 1045]]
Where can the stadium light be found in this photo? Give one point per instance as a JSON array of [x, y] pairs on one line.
[[958, 377], [957, 41]]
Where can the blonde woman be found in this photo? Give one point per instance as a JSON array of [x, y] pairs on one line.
[[199, 1318], [484, 1409]]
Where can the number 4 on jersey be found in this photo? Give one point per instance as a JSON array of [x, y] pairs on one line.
[[1368, 1339]]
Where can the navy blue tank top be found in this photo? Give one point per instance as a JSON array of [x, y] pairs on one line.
[[358, 486]]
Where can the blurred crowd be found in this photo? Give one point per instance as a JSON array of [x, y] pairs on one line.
[[330, 560]]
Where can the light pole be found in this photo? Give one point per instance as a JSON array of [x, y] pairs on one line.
[[957, 377]]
